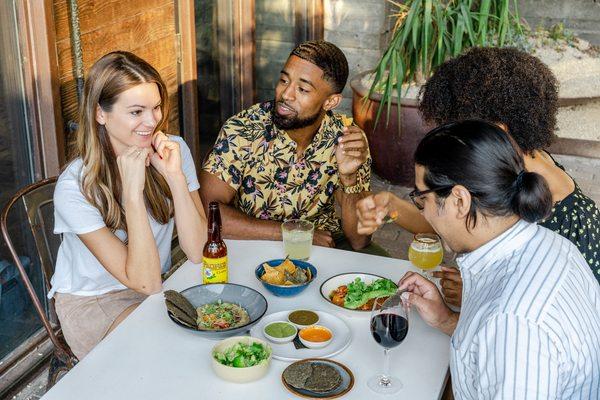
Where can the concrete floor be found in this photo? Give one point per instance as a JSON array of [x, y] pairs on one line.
[[34, 389], [395, 240]]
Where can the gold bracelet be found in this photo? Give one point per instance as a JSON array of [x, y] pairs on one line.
[[354, 189]]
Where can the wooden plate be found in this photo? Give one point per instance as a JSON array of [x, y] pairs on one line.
[[345, 386]]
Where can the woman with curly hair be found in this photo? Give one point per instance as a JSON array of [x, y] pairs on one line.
[[117, 201], [520, 94]]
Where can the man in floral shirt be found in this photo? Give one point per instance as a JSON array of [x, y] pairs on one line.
[[292, 157]]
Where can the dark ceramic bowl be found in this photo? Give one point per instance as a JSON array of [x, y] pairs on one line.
[[249, 299], [282, 290]]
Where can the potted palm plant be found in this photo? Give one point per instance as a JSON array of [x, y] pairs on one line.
[[426, 33]]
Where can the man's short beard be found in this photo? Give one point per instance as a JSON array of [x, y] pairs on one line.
[[291, 123]]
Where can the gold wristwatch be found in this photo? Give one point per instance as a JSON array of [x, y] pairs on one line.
[[354, 189]]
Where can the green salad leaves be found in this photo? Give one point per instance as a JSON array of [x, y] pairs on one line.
[[359, 292], [242, 355]]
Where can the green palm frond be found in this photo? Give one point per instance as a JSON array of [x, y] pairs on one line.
[[428, 32]]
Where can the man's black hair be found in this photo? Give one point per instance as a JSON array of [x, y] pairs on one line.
[[488, 163], [329, 58]]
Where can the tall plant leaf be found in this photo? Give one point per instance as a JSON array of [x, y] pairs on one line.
[[503, 23], [426, 42], [466, 18], [428, 32], [458, 36], [482, 21]]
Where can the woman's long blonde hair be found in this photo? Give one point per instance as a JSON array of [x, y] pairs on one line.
[[101, 185]]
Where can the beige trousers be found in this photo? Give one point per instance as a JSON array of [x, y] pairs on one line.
[[85, 320]]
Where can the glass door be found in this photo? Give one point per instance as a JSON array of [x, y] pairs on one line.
[[18, 320], [241, 46], [274, 41], [207, 61]]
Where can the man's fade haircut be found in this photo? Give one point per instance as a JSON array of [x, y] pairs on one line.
[[500, 85], [329, 58]]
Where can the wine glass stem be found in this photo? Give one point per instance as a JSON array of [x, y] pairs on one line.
[[385, 380]]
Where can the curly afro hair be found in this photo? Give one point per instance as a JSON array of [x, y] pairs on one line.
[[501, 85]]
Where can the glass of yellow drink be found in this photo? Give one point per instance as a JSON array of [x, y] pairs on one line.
[[426, 252], [297, 238]]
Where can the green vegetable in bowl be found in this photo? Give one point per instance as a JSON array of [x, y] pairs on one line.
[[359, 292], [242, 355]]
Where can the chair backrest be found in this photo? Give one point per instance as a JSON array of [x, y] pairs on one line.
[[39, 206], [37, 200]]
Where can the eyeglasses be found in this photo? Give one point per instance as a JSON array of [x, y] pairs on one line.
[[416, 196]]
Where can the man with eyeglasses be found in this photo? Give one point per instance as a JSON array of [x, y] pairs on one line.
[[529, 326], [477, 84]]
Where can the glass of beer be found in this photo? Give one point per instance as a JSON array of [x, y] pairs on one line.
[[297, 238], [426, 252]]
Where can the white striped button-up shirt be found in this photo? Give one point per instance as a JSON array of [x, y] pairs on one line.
[[530, 320]]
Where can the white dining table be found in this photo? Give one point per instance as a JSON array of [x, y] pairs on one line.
[[149, 357]]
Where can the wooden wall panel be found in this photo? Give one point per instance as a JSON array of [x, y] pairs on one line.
[[95, 14], [144, 27]]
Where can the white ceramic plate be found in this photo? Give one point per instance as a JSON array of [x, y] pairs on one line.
[[287, 352], [343, 279]]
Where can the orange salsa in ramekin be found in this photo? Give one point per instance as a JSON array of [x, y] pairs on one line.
[[316, 334]]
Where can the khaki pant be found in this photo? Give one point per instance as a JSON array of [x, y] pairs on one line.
[[85, 320]]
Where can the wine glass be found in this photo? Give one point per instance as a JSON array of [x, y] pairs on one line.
[[389, 326], [426, 252]]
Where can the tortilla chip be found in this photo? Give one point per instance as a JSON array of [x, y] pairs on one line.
[[285, 273], [268, 269], [300, 276], [347, 121], [273, 279], [287, 265], [273, 276]]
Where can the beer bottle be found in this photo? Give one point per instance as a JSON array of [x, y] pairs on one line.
[[214, 256]]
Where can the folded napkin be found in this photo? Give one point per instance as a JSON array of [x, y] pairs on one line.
[[298, 344]]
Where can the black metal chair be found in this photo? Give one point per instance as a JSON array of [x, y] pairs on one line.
[[37, 200]]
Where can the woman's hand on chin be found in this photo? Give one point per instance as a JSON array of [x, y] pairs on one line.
[[167, 156], [132, 168]]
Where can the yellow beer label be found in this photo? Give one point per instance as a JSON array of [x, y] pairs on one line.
[[214, 270]]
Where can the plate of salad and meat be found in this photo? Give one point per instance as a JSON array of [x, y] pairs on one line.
[[355, 291]]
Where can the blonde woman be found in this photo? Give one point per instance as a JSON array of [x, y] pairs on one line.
[[118, 200]]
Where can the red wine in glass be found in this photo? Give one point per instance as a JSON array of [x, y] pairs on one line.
[[388, 329]]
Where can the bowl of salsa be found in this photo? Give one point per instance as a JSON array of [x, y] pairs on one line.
[[280, 332], [303, 318], [315, 336]]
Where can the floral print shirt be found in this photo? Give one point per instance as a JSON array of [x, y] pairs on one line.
[[259, 161], [577, 218]]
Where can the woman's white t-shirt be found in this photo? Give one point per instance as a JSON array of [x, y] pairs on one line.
[[77, 270]]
